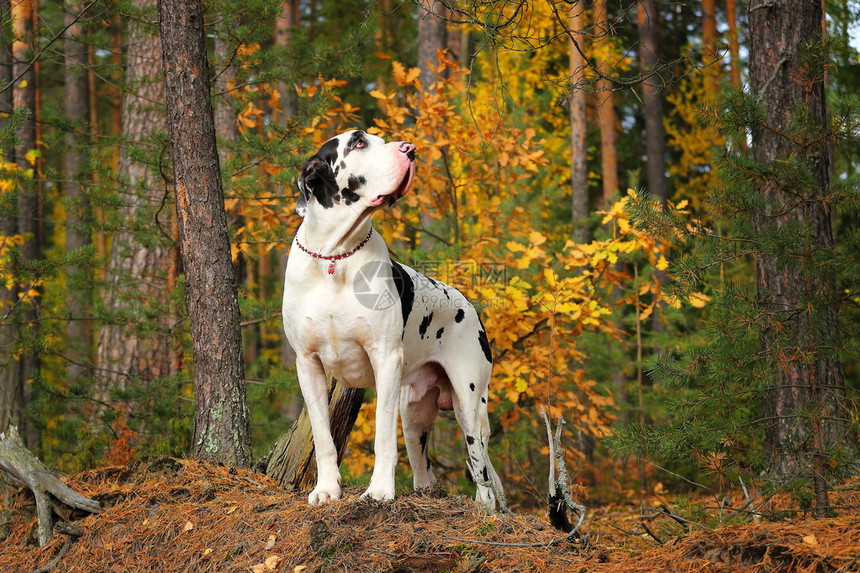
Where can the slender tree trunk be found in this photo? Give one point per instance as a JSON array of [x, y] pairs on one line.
[[804, 402], [432, 37], [284, 24], [734, 43], [76, 104], [578, 127], [652, 98], [709, 45], [221, 419], [138, 270], [606, 116], [29, 204], [10, 390]]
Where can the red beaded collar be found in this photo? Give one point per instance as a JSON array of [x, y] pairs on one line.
[[332, 258]]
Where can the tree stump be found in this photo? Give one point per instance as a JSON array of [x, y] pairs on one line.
[[18, 462], [291, 462]]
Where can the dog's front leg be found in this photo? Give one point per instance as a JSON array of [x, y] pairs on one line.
[[387, 372], [315, 391]]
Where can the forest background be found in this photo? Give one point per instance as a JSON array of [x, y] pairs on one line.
[[587, 176]]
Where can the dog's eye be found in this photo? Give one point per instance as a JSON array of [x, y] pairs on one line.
[[360, 144]]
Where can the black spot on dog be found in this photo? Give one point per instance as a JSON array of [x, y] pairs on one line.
[[432, 282], [470, 440], [472, 387], [484, 400], [485, 474], [428, 463], [423, 441], [405, 291], [460, 316], [425, 324], [353, 185], [439, 333], [485, 344], [349, 196]]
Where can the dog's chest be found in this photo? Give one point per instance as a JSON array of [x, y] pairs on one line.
[[337, 331]]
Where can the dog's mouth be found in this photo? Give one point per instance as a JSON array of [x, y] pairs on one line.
[[401, 189]]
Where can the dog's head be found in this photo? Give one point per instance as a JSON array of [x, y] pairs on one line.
[[356, 169]]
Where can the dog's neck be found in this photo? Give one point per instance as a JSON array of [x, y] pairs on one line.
[[331, 231]]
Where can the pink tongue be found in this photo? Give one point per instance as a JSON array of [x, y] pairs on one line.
[[378, 200]]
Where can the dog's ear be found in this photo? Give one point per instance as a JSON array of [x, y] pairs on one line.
[[302, 201], [317, 180]]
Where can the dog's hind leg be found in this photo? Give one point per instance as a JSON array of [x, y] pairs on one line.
[[417, 418], [470, 408]]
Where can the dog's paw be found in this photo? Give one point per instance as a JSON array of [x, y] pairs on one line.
[[324, 494], [379, 493]]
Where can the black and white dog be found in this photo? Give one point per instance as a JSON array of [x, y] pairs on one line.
[[352, 312]]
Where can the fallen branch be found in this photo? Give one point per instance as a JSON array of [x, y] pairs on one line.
[[559, 485], [20, 464]]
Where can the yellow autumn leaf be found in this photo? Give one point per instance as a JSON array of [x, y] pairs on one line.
[[537, 238], [699, 300], [662, 263], [32, 155]]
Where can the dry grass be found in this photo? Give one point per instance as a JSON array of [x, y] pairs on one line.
[[176, 515]]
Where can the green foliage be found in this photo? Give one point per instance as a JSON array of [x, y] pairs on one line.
[[720, 387]]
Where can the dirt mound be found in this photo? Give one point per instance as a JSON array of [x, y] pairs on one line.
[[175, 515]]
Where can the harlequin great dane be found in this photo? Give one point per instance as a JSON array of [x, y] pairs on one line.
[[352, 312]]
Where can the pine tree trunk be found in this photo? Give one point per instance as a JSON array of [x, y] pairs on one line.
[[76, 108], [29, 204], [137, 270], [804, 402], [709, 47], [655, 136], [10, 390], [578, 128], [432, 37], [606, 117], [284, 24], [734, 43], [221, 419]]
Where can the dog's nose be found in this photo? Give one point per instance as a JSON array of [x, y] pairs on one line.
[[408, 149]]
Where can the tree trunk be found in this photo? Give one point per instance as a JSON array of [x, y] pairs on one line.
[[655, 136], [221, 419], [291, 462], [17, 461], [606, 117], [578, 127], [137, 270], [804, 402], [709, 48], [10, 390], [734, 43], [76, 106], [284, 24], [432, 37], [29, 204]]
